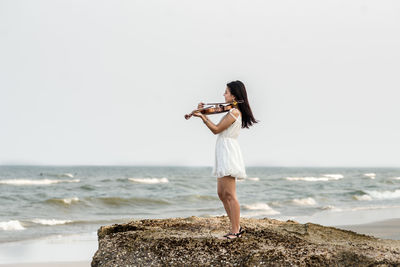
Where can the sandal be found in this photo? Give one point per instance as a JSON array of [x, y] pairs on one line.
[[227, 234], [239, 234], [241, 231]]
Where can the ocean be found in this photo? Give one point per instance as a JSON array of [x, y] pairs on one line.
[[39, 201]]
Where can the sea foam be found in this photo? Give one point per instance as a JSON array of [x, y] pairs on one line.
[[149, 180], [50, 221], [327, 177], [36, 182], [253, 178], [334, 176], [70, 175], [362, 197], [63, 201], [69, 201], [256, 179], [304, 201], [11, 225], [384, 194], [264, 207], [370, 175], [370, 195]]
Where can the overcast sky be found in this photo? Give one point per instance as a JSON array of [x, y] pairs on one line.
[[108, 82]]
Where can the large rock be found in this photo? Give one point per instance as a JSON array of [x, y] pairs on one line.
[[195, 241]]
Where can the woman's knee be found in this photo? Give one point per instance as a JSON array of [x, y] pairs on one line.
[[225, 195], [229, 196], [225, 190]]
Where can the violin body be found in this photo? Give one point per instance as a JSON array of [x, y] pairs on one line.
[[215, 108]]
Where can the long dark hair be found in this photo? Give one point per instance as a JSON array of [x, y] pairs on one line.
[[238, 90]]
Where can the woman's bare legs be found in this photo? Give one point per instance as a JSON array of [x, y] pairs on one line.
[[227, 194]]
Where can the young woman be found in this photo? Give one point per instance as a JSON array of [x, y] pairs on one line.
[[229, 163]]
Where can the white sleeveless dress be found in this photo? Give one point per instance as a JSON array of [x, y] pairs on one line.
[[228, 156]]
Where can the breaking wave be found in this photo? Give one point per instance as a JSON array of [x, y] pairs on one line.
[[264, 207], [256, 179], [253, 179], [370, 195], [149, 180], [384, 194], [51, 221], [304, 201], [325, 178], [11, 225], [334, 176], [64, 201], [362, 197], [69, 175], [370, 175]]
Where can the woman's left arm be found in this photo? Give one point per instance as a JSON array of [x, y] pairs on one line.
[[222, 125]]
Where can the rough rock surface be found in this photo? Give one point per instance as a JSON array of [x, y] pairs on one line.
[[196, 241]]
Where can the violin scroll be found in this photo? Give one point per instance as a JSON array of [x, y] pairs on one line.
[[200, 106]]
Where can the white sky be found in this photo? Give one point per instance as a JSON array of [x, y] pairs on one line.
[[109, 82]]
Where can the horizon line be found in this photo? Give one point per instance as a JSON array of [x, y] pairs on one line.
[[193, 166]]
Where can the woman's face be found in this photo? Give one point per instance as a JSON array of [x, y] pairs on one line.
[[228, 96]]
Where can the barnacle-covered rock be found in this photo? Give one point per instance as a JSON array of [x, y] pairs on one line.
[[196, 241]]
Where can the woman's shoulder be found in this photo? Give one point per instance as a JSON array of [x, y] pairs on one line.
[[235, 111]]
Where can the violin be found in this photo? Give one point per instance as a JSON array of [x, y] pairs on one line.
[[214, 108]]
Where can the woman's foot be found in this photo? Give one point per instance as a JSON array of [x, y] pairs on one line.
[[231, 235], [241, 231]]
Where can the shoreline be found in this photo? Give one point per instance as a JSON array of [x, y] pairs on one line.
[[50, 264], [385, 229], [78, 250], [75, 248]]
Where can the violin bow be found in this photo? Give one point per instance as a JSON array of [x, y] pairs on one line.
[[234, 102]]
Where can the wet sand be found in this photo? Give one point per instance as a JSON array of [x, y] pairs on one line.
[[387, 229], [71, 250], [50, 264]]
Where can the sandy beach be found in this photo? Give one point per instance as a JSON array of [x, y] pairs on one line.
[[388, 229], [50, 264], [70, 250]]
